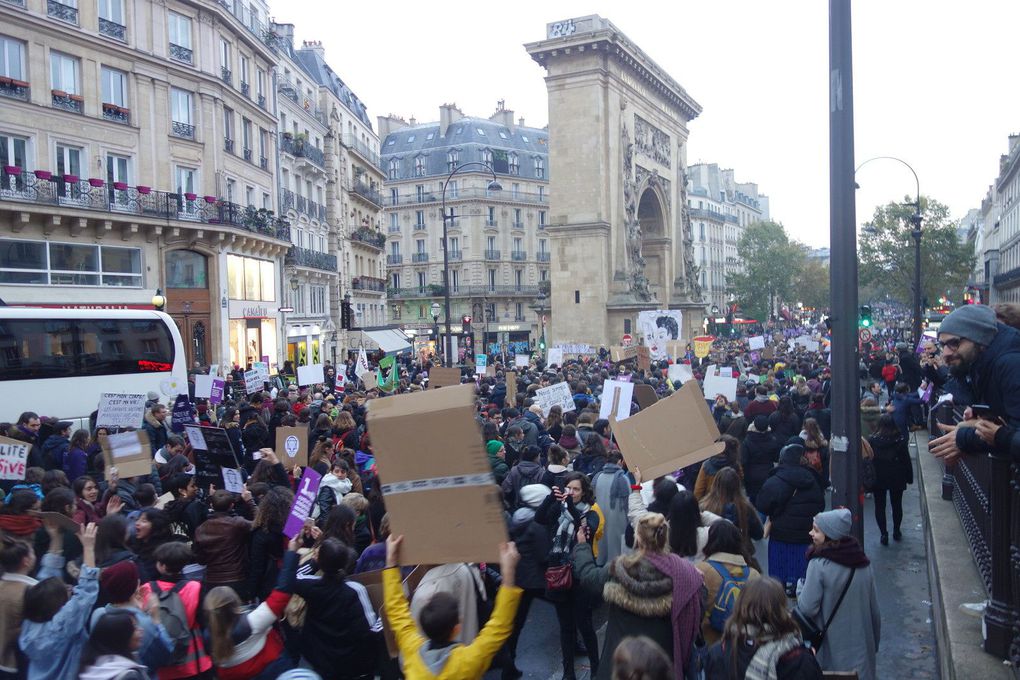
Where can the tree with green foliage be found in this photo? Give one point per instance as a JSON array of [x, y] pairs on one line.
[[772, 264], [811, 286], [886, 252]]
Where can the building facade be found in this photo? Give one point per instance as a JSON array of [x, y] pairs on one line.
[[498, 250], [721, 209], [135, 147], [1002, 210]]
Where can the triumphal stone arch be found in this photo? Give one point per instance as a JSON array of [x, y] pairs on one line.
[[619, 228]]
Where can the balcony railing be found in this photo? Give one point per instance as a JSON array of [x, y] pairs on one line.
[[59, 10], [302, 149], [184, 130], [394, 229], [543, 257], [245, 88], [42, 188], [352, 142], [180, 53], [15, 89], [370, 283], [112, 29], [420, 226], [226, 75], [291, 201], [492, 223], [303, 257], [263, 162], [228, 145], [455, 255], [491, 254], [473, 193], [16, 3], [244, 15], [291, 91], [118, 114], [67, 102], [394, 259], [518, 255], [518, 225], [368, 193], [261, 101], [248, 155], [419, 258], [434, 290], [369, 236]]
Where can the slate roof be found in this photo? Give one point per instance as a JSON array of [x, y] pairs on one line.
[[320, 71]]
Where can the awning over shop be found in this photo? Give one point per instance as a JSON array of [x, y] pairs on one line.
[[389, 340]]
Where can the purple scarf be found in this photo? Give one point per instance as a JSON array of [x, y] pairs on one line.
[[686, 614]]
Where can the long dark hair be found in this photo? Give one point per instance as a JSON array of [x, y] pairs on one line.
[[684, 520], [887, 427], [111, 636], [111, 537], [335, 559], [160, 533]]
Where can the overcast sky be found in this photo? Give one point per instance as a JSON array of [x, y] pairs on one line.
[[934, 82]]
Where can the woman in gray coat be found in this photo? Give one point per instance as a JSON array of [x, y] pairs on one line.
[[835, 559]]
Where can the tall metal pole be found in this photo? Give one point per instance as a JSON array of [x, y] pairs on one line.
[[846, 427], [915, 221]]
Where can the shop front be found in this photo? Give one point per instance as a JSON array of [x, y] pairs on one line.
[[305, 344], [253, 333]]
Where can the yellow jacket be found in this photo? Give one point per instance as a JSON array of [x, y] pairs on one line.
[[464, 662]]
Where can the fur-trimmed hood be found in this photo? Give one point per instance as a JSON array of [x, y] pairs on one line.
[[639, 588], [151, 420]]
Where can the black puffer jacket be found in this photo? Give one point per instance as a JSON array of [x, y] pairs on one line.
[[759, 454], [791, 497], [534, 543], [893, 467]]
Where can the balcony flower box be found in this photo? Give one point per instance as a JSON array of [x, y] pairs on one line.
[[143, 189], [4, 80], [209, 199], [93, 182], [120, 186], [19, 83], [43, 174], [71, 179], [190, 196], [76, 97], [58, 93], [12, 170]]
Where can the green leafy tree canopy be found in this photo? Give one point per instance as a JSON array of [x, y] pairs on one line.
[[772, 264]]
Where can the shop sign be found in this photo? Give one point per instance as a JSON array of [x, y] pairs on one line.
[[244, 309]]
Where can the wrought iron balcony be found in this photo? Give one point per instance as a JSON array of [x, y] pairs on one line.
[[419, 258], [492, 223], [300, 148], [244, 15], [436, 290], [16, 3], [228, 145], [492, 255], [183, 130], [15, 89], [519, 256], [352, 142], [226, 75], [455, 255], [369, 283], [245, 88], [477, 193], [518, 225], [118, 114], [112, 29], [180, 53], [263, 162], [303, 257], [394, 229], [248, 155], [420, 226], [369, 236], [59, 10], [42, 188], [394, 259], [67, 102], [262, 101], [368, 193], [543, 257]]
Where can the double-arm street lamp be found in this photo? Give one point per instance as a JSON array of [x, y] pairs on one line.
[[915, 223], [494, 185]]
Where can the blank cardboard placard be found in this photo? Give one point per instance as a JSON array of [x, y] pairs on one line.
[[436, 480], [645, 395], [718, 384], [681, 372], [203, 386], [292, 446], [757, 342], [618, 354], [310, 375], [440, 376], [511, 388], [129, 452], [372, 580], [522, 360], [671, 434], [371, 380], [555, 356], [644, 358]]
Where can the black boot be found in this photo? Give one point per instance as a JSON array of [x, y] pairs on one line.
[[897, 536], [885, 539]]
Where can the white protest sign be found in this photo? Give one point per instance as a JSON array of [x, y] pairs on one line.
[[120, 410], [252, 382], [214, 369], [232, 480], [263, 369], [619, 391], [481, 361], [726, 371], [717, 384], [555, 357], [195, 437], [811, 345], [13, 458], [310, 375], [711, 369], [522, 360], [757, 342], [558, 394], [681, 372], [203, 386]]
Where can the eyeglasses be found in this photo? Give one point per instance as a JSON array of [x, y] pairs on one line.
[[952, 343]]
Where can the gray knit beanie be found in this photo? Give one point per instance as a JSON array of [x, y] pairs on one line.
[[835, 524], [977, 323]]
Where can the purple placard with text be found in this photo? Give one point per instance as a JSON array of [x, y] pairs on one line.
[[755, 357], [216, 393], [304, 499]]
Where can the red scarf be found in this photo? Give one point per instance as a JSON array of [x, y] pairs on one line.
[[20, 525]]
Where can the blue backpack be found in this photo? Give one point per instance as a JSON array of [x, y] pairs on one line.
[[726, 597]]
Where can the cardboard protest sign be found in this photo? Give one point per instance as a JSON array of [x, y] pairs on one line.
[[618, 392], [181, 413], [511, 388], [58, 519], [681, 372], [203, 386], [670, 434], [481, 361], [555, 395], [437, 483], [13, 458], [310, 375], [216, 452], [371, 380], [645, 395], [618, 354], [644, 358], [757, 342], [768, 353], [554, 357], [292, 446], [163, 500], [490, 371], [443, 377], [129, 452], [304, 499], [718, 384], [120, 410], [522, 361], [253, 382]]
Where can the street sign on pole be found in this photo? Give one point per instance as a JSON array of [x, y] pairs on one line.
[[627, 340]]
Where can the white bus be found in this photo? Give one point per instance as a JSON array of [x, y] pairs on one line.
[[56, 362]]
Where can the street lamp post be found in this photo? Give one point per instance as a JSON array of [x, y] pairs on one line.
[[494, 185], [435, 325]]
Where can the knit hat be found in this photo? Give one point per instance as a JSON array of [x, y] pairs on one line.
[[974, 322], [152, 396], [760, 424], [835, 524], [791, 454], [493, 446], [120, 581], [532, 495]]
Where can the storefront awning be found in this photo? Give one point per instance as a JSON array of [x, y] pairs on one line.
[[389, 340]]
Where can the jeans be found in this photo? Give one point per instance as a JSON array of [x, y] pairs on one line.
[[574, 615], [896, 500]]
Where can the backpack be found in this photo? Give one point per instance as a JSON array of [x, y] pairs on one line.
[[174, 618], [726, 597]]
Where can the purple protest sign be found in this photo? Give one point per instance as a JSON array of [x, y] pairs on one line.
[[181, 414], [926, 395], [755, 357], [301, 508], [216, 393]]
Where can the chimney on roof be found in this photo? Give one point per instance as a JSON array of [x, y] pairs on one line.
[[503, 115], [448, 114], [286, 33], [388, 124], [316, 47], [520, 122]]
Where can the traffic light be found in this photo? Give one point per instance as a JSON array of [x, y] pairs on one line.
[[865, 316], [466, 323], [541, 343], [345, 315]]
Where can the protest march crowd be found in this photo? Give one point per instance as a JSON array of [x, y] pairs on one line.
[[255, 541]]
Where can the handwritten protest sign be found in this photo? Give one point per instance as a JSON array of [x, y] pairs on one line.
[[13, 458], [195, 437], [481, 361], [555, 395], [555, 357], [263, 369], [301, 508], [213, 453], [644, 358], [129, 452], [619, 392], [181, 413], [253, 382], [757, 342], [120, 410]]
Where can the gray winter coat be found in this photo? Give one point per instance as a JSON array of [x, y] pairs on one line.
[[851, 643]]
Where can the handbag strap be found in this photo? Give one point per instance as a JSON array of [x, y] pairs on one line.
[[832, 615]]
